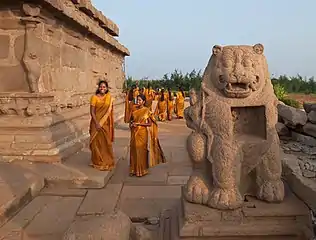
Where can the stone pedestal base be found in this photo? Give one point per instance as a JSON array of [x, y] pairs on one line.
[[34, 128], [255, 220]]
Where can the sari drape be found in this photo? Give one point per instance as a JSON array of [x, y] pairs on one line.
[[149, 94], [127, 113], [179, 108], [170, 108], [161, 109], [102, 156], [145, 149]]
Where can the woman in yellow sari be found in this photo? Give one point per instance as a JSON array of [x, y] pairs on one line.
[[102, 128], [161, 108], [179, 109], [129, 104], [170, 104], [145, 149], [150, 96]]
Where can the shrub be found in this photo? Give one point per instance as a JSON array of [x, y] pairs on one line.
[[279, 91], [291, 102]]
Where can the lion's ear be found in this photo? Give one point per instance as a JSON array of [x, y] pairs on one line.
[[258, 48], [217, 49]]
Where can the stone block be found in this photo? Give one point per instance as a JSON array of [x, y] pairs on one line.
[[72, 57], [282, 221], [291, 115], [63, 192], [11, 24], [140, 209], [177, 180], [282, 129], [100, 201], [112, 226], [308, 107], [310, 129], [151, 192], [55, 218], [14, 74], [18, 186], [4, 46], [307, 140], [304, 188], [312, 116]]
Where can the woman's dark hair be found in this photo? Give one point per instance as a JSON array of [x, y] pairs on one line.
[[148, 85], [181, 90], [170, 93], [131, 93], [99, 84], [162, 97], [142, 96]]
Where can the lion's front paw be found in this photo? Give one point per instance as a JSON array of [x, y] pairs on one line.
[[271, 191], [225, 199], [196, 191]]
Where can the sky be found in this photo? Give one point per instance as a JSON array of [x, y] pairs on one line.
[[163, 35]]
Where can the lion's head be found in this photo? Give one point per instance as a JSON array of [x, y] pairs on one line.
[[238, 71]]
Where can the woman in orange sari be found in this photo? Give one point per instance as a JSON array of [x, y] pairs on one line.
[[102, 128], [145, 149], [161, 108], [170, 104], [180, 96], [129, 104], [150, 96]]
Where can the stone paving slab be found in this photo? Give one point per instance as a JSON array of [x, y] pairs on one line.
[[112, 226], [177, 180], [17, 187], [101, 201], [157, 176], [54, 219], [151, 192], [140, 209]]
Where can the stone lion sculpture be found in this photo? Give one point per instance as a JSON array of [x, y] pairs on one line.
[[234, 145]]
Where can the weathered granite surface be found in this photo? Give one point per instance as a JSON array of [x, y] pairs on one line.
[[52, 54], [234, 145]]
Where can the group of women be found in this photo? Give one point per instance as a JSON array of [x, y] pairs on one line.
[[145, 149], [168, 103]]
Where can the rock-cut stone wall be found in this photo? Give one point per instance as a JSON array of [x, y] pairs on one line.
[[52, 54]]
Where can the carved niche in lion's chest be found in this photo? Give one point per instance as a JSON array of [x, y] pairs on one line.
[[249, 123]]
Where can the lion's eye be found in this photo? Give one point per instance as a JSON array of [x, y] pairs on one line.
[[227, 63], [247, 63]]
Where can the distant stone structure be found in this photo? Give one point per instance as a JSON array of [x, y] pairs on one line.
[[52, 55], [235, 131]]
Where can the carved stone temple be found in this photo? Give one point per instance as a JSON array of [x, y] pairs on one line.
[[52, 55], [236, 188]]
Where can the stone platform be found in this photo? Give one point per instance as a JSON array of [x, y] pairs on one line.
[[258, 220]]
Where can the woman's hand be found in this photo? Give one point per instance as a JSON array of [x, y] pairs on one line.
[[98, 126]]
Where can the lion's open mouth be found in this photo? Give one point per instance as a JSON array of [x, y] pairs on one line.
[[237, 90]]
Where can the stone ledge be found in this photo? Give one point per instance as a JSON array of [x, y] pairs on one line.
[[104, 22], [255, 219], [19, 123], [75, 172], [71, 11], [18, 186], [304, 188]]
